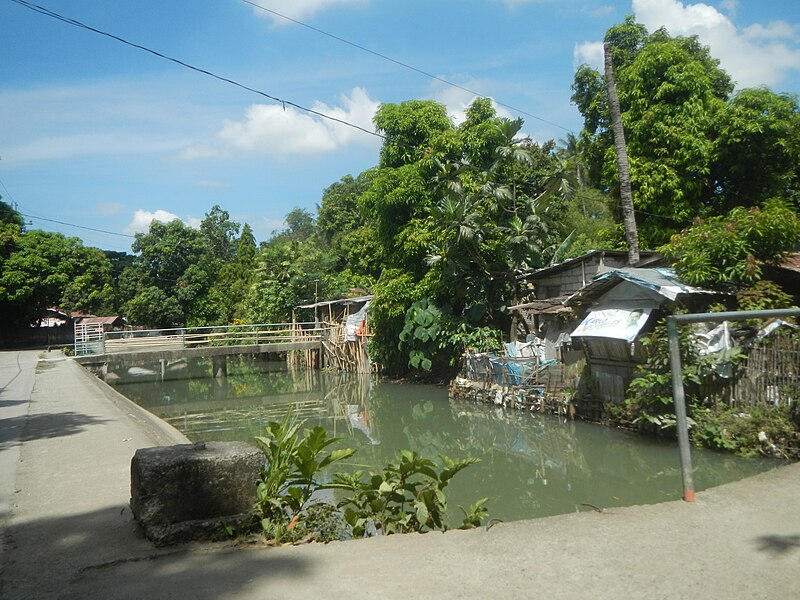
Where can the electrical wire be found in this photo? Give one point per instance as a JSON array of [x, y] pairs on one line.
[[75, 23], [400, 63], [127, 235]]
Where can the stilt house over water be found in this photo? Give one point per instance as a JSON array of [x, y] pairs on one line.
[[346, 333]]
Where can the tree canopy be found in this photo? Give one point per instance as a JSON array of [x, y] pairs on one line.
[[689, 138], [447, 223]]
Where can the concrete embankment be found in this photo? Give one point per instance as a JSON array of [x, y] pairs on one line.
[[66, 441]]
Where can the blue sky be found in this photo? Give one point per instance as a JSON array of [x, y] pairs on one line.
[[101, 135]]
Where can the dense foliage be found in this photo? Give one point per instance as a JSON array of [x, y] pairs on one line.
[[406, 496], [445, 226], [695, 149]]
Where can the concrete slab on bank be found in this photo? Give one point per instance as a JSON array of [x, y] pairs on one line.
[[66, 441]]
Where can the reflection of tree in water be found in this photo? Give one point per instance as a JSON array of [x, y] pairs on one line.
[[540, 465], [531, 464]]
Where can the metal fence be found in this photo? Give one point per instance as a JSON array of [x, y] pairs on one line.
[[141, 340]]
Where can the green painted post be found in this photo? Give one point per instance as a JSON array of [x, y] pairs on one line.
[[680, 409]]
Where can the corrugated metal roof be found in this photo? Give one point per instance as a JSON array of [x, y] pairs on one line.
[[662, 281], [645, 256], [103, 320], [791, 262], [342, 301]]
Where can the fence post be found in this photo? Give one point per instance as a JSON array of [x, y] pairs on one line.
[[680, 409], [677, 380]]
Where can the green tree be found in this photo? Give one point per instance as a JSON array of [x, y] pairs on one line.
[[672, 95], [346, 231], [246, 248], [220, 233], [456, 220], [177, 261], [409, 129], [757, 143], [729, 250], [167, 250], [46, 270], [11, 226], [153, 308]]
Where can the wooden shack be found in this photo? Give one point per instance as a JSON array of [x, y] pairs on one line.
[[345, 322], [619, 307]]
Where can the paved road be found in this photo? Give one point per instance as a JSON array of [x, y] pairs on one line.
[[65, 447]]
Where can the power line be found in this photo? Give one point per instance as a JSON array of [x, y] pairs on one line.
[[75, 23], [78, 226], [400, 63]]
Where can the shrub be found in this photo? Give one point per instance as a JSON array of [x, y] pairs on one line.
[[754, 430], [407, 496], [290, 477]]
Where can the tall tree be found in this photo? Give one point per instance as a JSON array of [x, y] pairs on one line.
[[623, 169], [693, 149], [177, 261], [246, 248], [46, 270], [220, 233]]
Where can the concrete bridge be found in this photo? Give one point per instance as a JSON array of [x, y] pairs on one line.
[[98, 347]]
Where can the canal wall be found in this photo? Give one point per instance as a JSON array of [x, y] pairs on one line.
[[69, 532]]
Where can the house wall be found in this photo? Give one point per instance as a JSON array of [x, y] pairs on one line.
[[570, 280], [612, 366]]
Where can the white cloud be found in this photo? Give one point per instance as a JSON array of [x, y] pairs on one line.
[[109, 208], [212, 184], [757, 55], [109, 119], [142, 219], [775, 30], [277, 130], [297, 9], [457, 100], [601, 11], [590, 53], [60, 147], [512, 4], [198, 151], [730, 6]]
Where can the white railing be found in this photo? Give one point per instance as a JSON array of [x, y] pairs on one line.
[[89, 339], [142, 340]]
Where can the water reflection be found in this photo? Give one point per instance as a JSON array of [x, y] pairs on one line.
[[531, 465]]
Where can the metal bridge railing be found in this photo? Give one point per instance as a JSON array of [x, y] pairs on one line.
[[140, 340]]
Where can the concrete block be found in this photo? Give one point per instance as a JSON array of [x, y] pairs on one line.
[[180, 493]]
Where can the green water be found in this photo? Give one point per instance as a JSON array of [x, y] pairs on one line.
[[531, 465]]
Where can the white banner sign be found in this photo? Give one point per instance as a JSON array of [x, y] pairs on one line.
[[617, 323]]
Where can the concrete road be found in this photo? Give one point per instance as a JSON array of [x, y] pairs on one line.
[[67, 441]]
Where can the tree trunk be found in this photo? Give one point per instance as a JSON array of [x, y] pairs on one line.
[[625, 194]]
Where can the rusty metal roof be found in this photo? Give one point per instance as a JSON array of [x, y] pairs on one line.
[[791, 261], [547, 306], [103, 320]]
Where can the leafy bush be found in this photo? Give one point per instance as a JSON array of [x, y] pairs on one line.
[[729, 249], [293, 465], [737, 429], [419, 333], [407, 496], [648, 403]]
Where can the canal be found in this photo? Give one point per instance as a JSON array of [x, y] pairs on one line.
[[531, 465]]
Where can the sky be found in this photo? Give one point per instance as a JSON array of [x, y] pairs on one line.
[[97, 137]]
